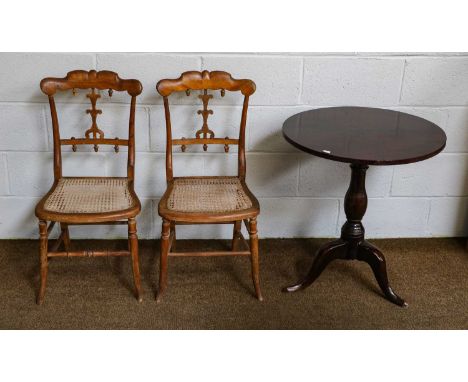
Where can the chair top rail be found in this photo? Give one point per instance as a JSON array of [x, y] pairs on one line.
[[82, 79], [195, 80]]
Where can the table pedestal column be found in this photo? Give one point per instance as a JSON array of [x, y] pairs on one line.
[[352, 245]]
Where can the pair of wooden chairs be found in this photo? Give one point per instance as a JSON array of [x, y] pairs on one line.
[[112, 200]]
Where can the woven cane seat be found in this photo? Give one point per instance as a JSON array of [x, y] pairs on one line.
[[89, 196], [208, 195]]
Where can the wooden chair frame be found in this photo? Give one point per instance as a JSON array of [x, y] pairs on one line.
[[221, 81], [102, 80]]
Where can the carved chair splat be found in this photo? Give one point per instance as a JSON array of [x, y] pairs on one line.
[[207, 199], [89, 200]]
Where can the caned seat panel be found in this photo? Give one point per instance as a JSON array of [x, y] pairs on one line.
[[208, 195], [90, 196]]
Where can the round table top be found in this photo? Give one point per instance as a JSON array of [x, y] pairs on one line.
[[363, 135]]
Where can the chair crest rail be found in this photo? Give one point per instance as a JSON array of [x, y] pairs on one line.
[[82, 79], [194, 80]]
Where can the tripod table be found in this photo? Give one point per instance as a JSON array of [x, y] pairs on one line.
[[362, 137]]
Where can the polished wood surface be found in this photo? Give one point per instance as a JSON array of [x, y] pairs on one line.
[[92, 80], [207, 81], [83, 79], [368, 136], [360, 136]]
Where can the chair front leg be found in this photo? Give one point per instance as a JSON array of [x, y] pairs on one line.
[[133, 248], [254, 257], [165, 235], [43, 242]]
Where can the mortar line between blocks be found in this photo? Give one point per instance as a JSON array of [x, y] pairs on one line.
[[337, 223], [426, 228], [5, 167], [301, 86], [95, 61], [202, 62], [148, 117], [46, 129], [298, 175], [8, 175], [251, 106], [391, 183], [402, 79]]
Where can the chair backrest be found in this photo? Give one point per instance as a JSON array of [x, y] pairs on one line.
[[103, 80], [205, 81]]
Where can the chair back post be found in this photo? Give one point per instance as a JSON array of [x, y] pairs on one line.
[[205, 80], [241, 166], [56, 139], [167, 113], [131, 141]]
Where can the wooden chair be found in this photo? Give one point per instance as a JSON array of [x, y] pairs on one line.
[[89, 200], [207, 200]]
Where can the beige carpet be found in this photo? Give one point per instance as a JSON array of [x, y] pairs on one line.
[[217, 293]]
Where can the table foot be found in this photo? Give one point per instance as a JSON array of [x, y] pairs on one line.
[[325, 254], [374, 257]]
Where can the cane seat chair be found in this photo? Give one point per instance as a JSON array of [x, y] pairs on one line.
[[89, 200], [208, 199]]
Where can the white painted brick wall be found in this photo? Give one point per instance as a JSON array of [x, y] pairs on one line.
[[148, 68], [278, 78], [352, 81], [300, 195], [443, 175], [405, 217], [435, 81], [22, 127], [21, 73], [323, 178]]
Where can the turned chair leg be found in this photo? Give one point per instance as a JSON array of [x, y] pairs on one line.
[[254, 257], [133, 248], [43, 241], [65, 236], [165, 235], [236, 234]]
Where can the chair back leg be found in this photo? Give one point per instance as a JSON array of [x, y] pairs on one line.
[[133, 248], [43, 241], [165, 236], [254, 257]]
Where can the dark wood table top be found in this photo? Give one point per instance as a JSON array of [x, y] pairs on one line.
[[363, 135]]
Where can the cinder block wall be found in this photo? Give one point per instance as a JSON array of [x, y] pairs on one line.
[[300, 195]]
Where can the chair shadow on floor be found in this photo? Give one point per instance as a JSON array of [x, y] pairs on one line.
[[230, 267], [113, 264]]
